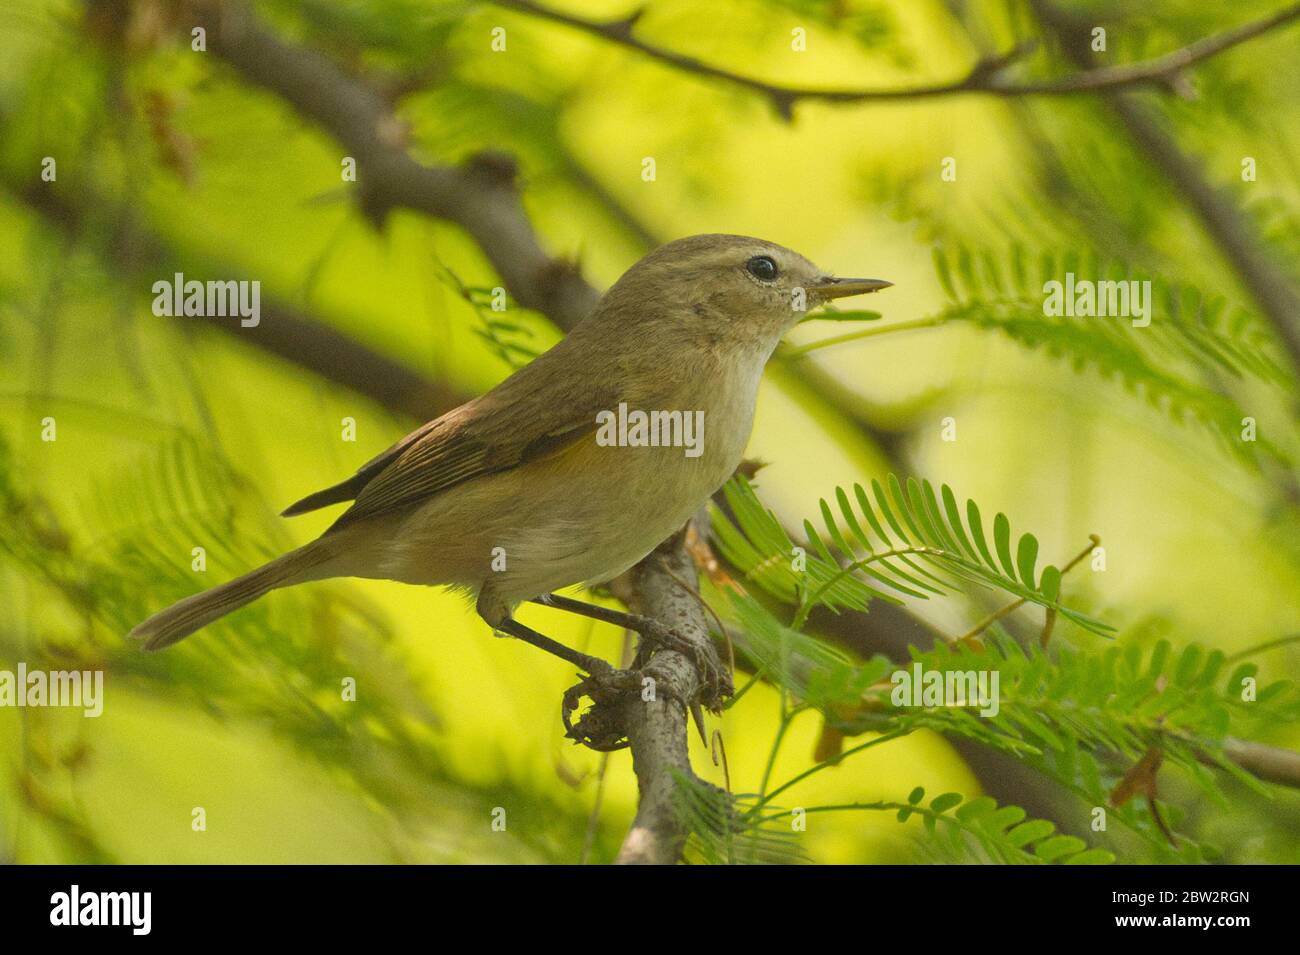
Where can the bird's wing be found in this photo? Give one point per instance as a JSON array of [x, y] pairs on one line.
[[527, 416], [348, 489]]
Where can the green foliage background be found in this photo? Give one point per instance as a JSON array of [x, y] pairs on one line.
[[172, 435]]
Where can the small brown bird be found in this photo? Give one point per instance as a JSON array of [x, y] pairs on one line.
[[576, 466]]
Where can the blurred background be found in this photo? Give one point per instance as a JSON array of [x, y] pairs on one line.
[[562, 153]]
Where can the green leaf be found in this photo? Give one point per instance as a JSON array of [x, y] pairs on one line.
[[1003, 818], [1026, 558], [1092, 856], [1002, 541], [1054, 848], [1050, 585], [1031, 831], [913, 545], [1162, 363], [945, 274], [1188, 664], [977, 533], [946, 801], [827, 315], [954, 521], [980, 806]]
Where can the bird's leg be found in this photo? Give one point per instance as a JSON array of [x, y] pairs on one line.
[[593, 666], [599, 728], [715, 681]]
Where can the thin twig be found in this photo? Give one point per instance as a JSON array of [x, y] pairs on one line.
[[795, 352], [1219, 212], [1093, 543], [986, 76]]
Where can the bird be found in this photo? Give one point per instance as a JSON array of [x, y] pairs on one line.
[[576, 466]]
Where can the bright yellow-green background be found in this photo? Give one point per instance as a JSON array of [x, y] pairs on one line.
[[1187, 538]]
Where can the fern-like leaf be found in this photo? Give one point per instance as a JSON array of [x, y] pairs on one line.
[[898, 537], [1192, 335]]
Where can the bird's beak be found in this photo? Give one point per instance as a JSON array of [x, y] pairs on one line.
[[829, 288]]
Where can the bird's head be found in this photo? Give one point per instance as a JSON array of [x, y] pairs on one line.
[[728, 288]]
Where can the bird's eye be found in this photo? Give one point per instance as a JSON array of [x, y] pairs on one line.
[[762, 267]]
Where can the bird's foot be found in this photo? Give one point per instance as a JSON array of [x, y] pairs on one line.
[[715, 679], [601, 727]]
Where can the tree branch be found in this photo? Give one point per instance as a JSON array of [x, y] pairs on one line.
[[1263, 277], [284, 331], [657, 730], [1272, 764], [986, 76], [479, 196]]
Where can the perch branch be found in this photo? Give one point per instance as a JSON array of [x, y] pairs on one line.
[[658, 730]]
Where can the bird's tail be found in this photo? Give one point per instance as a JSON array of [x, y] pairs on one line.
[[193, 613]]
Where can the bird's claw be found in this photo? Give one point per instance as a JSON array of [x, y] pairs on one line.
[[715, 679], [600, 728]]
